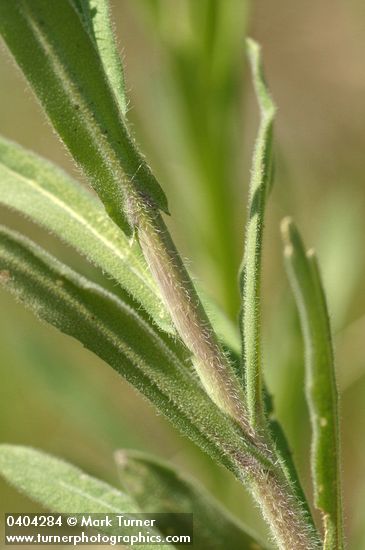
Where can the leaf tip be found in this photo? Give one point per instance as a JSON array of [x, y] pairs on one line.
[[253, 48], [311, 254], [286, 226], [265, 101]]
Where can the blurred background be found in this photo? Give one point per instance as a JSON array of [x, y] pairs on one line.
[[194, 113]]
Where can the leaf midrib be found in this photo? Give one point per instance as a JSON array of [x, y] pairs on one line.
[[84, 494], [80, 219]]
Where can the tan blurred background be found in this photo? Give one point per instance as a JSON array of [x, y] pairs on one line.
[[195, 116]]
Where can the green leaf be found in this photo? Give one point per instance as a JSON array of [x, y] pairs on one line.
[[48, 196], [61, 487], [156, 485], [59, 58], [95, 15], [321, 388], [283, 449], [116, 333], [250, 275], [41, 191]]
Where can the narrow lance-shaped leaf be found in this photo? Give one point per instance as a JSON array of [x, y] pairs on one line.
[[321, 384], [59, 486], [95, 15], [116, 333], [250, 275], [44, 193], [41, 191], [63, 488], [284, 451], [279, 439], [156, 485], [60, 60]]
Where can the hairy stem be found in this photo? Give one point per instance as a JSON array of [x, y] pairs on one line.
[[178, 292], [291, 526], [289, 521]]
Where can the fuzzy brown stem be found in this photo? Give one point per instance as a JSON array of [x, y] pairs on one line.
[[191, 322], [290, 525], [289, 522]]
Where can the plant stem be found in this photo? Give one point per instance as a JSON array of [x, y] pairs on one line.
[[178, 292], [289, 522]]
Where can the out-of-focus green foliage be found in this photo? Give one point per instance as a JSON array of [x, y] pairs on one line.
[[62, 488], [58, 486], [158, 486], [204, 50]]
